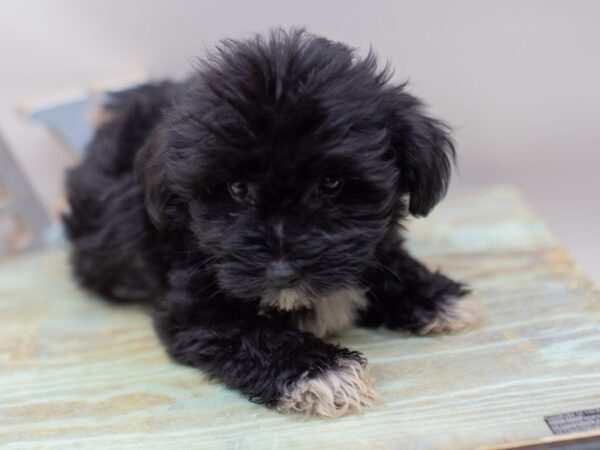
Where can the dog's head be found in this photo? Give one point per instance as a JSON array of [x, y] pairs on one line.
[[290, 158]]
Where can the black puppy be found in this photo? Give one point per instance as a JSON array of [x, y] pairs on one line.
[[257, 205]]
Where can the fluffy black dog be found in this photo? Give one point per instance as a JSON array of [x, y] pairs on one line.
[[256, 205]]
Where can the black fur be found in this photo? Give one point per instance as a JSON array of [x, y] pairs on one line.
[[332, 155]]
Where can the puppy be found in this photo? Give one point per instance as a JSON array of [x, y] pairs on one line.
[[257, 207]]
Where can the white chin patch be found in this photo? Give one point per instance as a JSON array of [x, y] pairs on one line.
[[341, 390], [286, 300], [456, 316], [325, 315]]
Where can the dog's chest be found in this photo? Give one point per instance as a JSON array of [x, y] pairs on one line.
[[333, 313]]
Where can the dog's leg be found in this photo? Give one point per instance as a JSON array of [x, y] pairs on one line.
[[405, 295], [264, 358]]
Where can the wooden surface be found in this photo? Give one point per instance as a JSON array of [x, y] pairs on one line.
[[77, 373]]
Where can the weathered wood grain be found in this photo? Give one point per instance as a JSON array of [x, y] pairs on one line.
[[77, 373]]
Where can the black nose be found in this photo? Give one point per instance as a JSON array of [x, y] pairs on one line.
[[282, 274]]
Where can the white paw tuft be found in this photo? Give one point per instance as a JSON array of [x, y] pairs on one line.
[[456, 315], [344, 389]]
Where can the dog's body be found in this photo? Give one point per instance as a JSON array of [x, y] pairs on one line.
[[256, 206]]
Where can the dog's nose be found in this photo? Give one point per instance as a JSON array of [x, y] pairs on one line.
[[282, 274]]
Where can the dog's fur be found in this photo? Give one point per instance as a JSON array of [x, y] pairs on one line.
[[331, 157]]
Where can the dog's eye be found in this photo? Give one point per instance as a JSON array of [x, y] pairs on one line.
[[239, 190], [330, 185]]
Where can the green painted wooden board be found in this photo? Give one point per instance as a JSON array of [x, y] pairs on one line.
[[77, 373]]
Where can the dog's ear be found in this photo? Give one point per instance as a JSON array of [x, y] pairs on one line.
[[163, 204], [423, 151]]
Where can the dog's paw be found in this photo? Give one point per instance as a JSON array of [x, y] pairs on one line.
[[453, 315], [342, 389]]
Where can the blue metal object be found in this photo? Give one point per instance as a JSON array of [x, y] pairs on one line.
[[69, 121], [70, 118]]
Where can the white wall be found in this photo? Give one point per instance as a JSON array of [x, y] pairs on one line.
[[518, 79]]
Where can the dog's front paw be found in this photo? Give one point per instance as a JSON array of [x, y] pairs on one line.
[[343, 388], [452, 315]]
